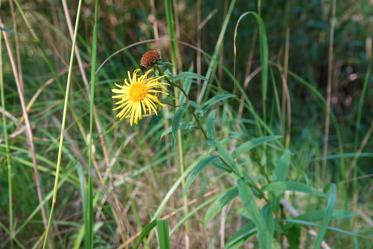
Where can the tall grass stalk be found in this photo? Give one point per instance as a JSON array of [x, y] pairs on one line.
[[7, 156], [89, 213], [329, 88], [215, 57], [363, 93], [63, 123], [174, 59]]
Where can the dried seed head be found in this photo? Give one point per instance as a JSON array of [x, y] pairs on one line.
[[150, 58]]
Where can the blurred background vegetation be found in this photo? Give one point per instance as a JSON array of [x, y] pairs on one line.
[[136, 164]]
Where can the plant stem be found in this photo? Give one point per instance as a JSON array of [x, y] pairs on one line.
[[199, 124], [8, 162], [63, 123], [329, 89], [174, 60], [89, 218]]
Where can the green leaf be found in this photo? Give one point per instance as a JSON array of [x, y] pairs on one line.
[[266, 212], [328, 215], [201, 164], [241, 236], [217, 163], [182, 126], [317, 215], [278, 188], [293, 235], [177, 119], [187, 83], [145, 232], [210, 125], [248, 199], [183, 76], [219, 203], [249, 145], [282, 167], [163, 234], [334, 229], [216, 99], [223, 153]]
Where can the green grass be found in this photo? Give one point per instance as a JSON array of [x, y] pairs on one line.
[[234, 164]]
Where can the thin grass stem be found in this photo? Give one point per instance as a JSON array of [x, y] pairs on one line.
[[63, 123]]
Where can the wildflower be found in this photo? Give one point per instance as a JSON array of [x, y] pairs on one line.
[[150, 58], [138, 96]]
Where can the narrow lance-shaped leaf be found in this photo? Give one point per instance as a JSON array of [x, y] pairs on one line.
[[210, 125], [282, 167], [253, 143], [197, 169], [216, 99], [278, 188], [241, 236], [248, 199], [177, 119], [219, 203]]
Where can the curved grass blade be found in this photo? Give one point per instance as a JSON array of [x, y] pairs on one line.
[[263, 46]]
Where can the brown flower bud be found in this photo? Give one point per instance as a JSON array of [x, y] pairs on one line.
[[150, 58]]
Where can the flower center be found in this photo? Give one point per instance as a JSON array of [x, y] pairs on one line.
[[138, 91]]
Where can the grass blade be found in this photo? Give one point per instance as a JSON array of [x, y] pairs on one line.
[[214, 59], [147, 229], [89, 213], [328, 215], [7, 155], [263, 45], [163, 234]]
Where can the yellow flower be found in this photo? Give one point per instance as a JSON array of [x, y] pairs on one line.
[[138, 96]]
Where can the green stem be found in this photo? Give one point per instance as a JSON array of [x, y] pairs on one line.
[[63, 123], [89, 213], [187, 99], [8, 162], [174, 59]]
